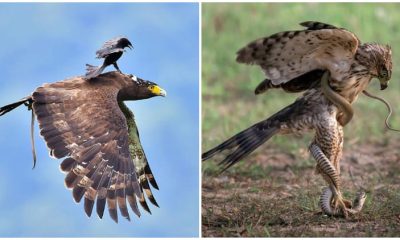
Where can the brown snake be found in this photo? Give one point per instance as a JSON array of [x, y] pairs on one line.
[[332, 176], [345, 106], [338, 100], [323, 162]]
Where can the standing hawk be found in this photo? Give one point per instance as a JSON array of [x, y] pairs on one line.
[[87, 124], [297, 61]]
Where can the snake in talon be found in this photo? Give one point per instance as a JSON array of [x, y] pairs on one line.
[[325, 203], [332, 177]]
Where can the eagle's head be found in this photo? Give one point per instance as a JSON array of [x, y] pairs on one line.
[[379, 59], [136, 88]]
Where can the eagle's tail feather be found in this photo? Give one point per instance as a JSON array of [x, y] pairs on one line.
[[93, 71]]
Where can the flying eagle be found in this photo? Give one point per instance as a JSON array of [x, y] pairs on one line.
[[297, 61], [88, 125]]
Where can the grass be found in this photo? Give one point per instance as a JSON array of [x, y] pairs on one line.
[[235, 203]]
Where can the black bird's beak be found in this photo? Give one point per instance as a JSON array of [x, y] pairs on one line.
[[130, 46]]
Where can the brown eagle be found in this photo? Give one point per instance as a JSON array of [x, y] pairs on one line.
[[87, 124]]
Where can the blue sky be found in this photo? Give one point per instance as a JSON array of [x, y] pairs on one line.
[[50, 42]]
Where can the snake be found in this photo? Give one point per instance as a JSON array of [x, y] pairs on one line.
[[345, 107], [337, 99], [332, 176], [324, 163]]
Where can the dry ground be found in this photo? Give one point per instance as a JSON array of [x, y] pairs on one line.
[[276, 194]]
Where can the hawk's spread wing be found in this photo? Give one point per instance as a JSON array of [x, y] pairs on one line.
[[109, 47], [87, 126], [288, 55]]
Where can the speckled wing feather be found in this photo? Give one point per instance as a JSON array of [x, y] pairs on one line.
[[86, 125], [109, 47], [288, 55], [138, 156]]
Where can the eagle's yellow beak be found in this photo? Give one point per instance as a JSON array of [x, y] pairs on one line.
[[156, 90]]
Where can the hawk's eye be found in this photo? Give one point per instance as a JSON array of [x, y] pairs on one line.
[[384, 73], [151, 87]]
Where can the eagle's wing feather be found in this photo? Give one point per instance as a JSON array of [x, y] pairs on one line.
[[88, 127], [139, 158], [287, 55]]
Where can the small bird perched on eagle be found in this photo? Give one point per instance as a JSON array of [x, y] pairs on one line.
[[111, 51]]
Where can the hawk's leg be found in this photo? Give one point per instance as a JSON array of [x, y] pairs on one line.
[[116, 67], [330, 175], [327, 151]]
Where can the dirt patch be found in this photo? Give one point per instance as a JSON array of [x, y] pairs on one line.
[[276, 194]]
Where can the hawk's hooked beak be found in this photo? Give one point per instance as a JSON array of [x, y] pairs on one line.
[[384, 83], [156, 90], [130, 46]]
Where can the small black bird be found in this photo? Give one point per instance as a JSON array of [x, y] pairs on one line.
[[111, 51]]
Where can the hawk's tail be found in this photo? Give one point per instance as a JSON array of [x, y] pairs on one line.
[[246, 141], [93, 71], [243, 143], [5, 109]]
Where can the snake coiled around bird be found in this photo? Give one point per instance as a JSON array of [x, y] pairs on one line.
[[323, 162]]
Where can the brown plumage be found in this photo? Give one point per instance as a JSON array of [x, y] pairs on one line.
[[293, 60], [296, 61], [88, 123]]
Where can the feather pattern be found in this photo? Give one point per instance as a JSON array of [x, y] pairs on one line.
[[287, 55]]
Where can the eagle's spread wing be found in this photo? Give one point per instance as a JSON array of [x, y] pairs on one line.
[[288, 55], [86, 125], [110, 46], [139, 158]]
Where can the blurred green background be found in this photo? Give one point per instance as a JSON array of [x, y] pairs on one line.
[[228, 101]]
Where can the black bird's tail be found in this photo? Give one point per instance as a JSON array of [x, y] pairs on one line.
[[246, 141], [5, 109], [93, 71]]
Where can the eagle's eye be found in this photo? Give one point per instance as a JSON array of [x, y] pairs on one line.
[[383, 73]]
